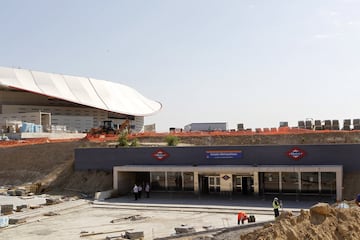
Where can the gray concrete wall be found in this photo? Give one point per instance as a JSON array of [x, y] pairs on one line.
[[125, 181]]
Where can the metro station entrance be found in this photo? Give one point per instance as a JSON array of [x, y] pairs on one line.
[[214, 184], [243, 184], [239, 180], [209, 184]]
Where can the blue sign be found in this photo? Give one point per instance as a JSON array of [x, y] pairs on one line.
[[224, 154]]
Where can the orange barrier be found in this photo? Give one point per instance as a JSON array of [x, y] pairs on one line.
[[112, 137], [32, 141]]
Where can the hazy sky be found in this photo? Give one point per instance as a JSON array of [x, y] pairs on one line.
[[252, 62]]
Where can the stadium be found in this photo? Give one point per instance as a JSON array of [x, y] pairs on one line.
[[39, 104]]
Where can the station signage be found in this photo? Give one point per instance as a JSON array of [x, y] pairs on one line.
[[223, 154], [296, 153], [226, 177], [160, 154]]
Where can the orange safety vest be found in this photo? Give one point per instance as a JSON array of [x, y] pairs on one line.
[[242, 216]]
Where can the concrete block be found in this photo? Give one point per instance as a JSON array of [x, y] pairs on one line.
[[184, 229], [4, 221], [103, 195], [11, 192], [52, 201], [134, 235], [20, 192], [20, 207], [7, 209], [14, 221], [34, 206]]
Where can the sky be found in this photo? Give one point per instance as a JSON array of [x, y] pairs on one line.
[[258, 63]]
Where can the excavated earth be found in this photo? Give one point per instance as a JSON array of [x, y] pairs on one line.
[[50, 167]]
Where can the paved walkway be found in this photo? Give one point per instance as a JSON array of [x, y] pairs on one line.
[[209, 202]]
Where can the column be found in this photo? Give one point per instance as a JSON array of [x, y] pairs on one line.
[[256, 183], [280, 182], [115, 179], [196, 182], [339, 185]]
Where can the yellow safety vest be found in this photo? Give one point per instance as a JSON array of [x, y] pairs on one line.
[[276, 204]]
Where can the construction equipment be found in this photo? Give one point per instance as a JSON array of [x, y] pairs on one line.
[[108, 128]]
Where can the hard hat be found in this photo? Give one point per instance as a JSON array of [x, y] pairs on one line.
[[276, 198]]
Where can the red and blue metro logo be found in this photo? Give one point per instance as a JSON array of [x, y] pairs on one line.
[[160, 154], [296, 153]]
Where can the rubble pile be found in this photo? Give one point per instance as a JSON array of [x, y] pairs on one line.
[[322, 221]]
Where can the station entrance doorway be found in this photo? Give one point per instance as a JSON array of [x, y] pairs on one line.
[[209, 184], [243, 184]]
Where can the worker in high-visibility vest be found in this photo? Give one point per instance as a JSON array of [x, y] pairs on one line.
[[241, 217], [276, 205]]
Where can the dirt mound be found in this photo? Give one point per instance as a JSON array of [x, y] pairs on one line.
[[320, 222], [51, 166], [85, 183]]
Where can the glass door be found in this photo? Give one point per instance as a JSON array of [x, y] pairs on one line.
[[214, 184], [238, 183]]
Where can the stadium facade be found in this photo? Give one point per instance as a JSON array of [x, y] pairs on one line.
[[50, 102]]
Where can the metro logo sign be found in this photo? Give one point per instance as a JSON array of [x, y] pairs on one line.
[[160, 154], [296, 153], [226, 177]]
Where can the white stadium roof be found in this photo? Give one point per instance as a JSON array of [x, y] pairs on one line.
[[90, 92]]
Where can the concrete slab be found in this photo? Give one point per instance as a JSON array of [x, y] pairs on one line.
[[21, 200], [157, 217]]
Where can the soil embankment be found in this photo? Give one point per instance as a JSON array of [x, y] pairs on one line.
[[320, 222], [50, 165]]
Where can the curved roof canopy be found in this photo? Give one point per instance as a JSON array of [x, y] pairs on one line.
[[90, 92]]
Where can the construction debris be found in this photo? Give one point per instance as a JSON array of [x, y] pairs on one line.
[[184, 229], [19, 220], [4, 221], [50, 214], [34, 206], [134, 235], [7, 209], [21, 207], [87, 234], [52, 201]]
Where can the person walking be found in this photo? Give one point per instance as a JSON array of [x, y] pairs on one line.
[[147, 190], [276, 205], [136, 191]]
